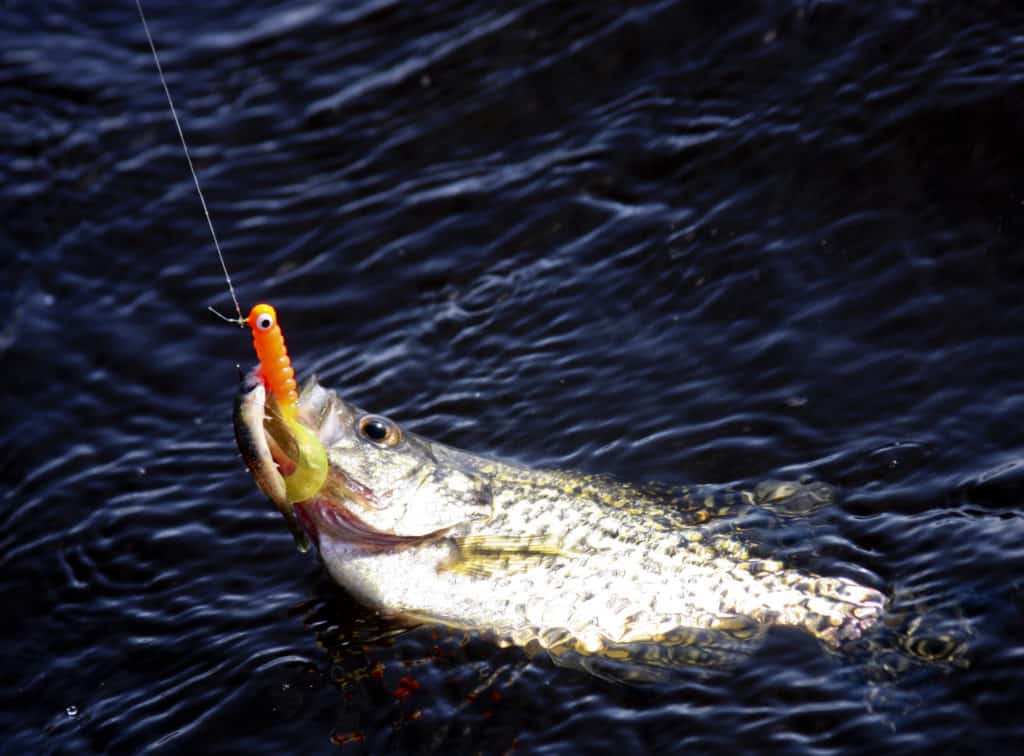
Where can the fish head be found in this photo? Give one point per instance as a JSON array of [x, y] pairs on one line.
[[385, 488]]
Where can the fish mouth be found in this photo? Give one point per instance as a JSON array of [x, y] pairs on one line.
[[271, 453]]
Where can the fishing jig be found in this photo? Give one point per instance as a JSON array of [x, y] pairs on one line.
[[276, 370], [310, 457], [275, 364]]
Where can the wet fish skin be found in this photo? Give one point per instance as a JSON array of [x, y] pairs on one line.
[[561, 560]]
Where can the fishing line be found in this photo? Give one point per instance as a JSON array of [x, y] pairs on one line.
[[195, 178]]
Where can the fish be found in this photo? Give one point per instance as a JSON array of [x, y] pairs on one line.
[[597, 572]]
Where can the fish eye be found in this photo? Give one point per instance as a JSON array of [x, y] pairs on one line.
[[265, 322], [380, 430]]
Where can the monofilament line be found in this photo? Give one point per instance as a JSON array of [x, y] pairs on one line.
[[195, 177]]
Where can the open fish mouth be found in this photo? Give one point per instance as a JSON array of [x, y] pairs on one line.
[[273, 455]]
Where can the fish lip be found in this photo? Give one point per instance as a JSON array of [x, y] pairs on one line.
[[250, 403], [322, 515]]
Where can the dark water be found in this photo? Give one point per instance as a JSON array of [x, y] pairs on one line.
[[678, 241]]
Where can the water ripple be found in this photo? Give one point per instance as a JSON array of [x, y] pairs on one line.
[[661, 240]]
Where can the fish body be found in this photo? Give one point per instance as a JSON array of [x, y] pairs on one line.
[[580, 565]]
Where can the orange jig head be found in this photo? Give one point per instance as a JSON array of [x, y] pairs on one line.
[[275, 365]]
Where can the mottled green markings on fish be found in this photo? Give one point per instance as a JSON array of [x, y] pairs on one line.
[[666, 507]]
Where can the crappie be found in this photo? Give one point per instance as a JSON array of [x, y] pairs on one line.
[[580, 565]]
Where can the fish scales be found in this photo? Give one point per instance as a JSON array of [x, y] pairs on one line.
[[620, 573]]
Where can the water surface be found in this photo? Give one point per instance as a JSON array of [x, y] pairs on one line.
[[675, 241]]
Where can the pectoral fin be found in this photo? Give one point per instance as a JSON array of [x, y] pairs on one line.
[[483, 556]]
